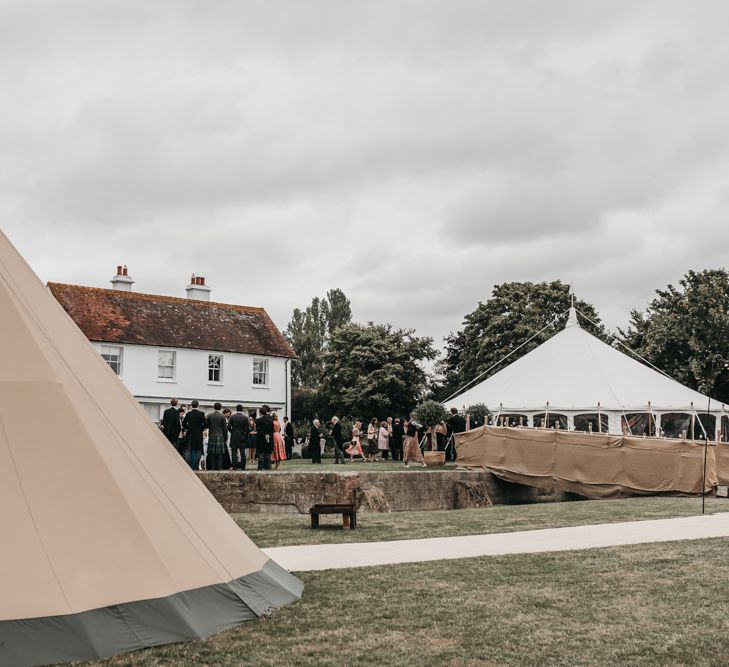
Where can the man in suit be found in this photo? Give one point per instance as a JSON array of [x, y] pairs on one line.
[[171, 422], [315, 442], [217, 430], [238, 428], [456, 424], [288, 438], [195, 424], [338, 440], [398, 433], [264, 438]]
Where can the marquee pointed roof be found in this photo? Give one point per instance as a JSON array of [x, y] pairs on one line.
[[109, 540], [574, 370]]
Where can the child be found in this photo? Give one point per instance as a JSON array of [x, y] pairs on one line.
[[356, 447]]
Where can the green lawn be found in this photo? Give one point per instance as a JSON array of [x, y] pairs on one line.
[[268, 530], [648, 605]]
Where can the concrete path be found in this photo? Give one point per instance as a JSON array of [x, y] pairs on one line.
[[306, 558]]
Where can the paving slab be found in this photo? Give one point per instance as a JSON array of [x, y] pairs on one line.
[[306, 558]]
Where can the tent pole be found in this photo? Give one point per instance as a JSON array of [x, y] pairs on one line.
[[710, 388], [599, 418]]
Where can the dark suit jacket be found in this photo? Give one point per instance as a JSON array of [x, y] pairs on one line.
[[195, 423], [457, 423], [337, 433], [314, 439], [264, 437], [216, 424], [289, 431], [171, 424], [238, 427], [397, 433]]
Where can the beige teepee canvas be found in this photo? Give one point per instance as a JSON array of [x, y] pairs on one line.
[[109, 541]]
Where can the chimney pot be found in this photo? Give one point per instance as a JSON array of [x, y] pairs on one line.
[[122, 281], [197, 289]]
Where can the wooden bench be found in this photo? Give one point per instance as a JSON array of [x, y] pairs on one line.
[[349, 514]]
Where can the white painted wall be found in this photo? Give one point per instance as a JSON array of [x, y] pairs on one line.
[[139, 374]]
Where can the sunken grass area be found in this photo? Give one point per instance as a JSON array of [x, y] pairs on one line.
[[274, 530], [654, 605], [328, 465]]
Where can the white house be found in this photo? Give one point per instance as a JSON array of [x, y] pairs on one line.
[[190, 348]]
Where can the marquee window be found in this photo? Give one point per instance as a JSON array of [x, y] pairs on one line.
[[638, 423], [112, 355], [215, 368], [166, 364], [260, 372], [550, 420], [598, 422]]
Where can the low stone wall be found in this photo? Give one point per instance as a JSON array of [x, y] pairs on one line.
[[291, 492]]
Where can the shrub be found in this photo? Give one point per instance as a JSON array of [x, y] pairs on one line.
[[429, 413]]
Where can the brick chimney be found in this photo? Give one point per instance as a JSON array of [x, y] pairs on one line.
[[122, 281], [197, 289]]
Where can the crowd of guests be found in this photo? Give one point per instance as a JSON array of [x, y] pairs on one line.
[[223, 440], [226, 440], [392, 438]]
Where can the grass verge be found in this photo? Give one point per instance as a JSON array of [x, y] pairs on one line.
[[273, 530], [653, 605]]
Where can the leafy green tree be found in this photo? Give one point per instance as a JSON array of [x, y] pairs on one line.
[[308, 333], [515, 312], [429, 413], [374, 370], [478, 413], [337, 310], [684, 328]]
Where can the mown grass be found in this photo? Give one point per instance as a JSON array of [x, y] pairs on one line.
[[272, 530], [650, 605]]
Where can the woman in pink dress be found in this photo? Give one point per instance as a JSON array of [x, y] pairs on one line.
[[355, 449], [383, 440], [279, 446]]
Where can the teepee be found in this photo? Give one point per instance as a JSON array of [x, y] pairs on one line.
[[108, 541], [576, 380]]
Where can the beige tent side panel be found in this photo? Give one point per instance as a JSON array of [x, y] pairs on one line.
[[597, 466], [722, 463], [154, 524]]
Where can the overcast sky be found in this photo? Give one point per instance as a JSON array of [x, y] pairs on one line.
[[412, 153]]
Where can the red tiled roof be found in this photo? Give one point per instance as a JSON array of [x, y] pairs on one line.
[[115, 316]]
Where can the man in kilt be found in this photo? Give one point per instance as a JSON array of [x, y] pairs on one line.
[[217, 430]]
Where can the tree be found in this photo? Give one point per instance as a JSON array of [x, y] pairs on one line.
[[684, 328], [514, 314], [308, 333], [429, 413], [374, 370]]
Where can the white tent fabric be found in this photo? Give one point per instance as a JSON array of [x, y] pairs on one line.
[[575, 372]]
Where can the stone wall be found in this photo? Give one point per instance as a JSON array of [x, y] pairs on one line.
[[291, 492]]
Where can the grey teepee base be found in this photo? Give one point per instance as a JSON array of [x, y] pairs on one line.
[[126, 627]]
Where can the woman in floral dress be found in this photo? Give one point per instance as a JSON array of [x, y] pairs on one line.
[[279, 446], [412, 446]]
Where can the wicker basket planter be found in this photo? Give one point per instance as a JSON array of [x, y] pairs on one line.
[[434, 459]]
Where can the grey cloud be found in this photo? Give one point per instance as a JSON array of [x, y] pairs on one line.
[[412, 153]]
